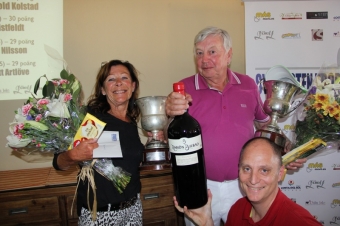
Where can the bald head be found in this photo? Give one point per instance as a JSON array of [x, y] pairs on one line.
[[276, 150]]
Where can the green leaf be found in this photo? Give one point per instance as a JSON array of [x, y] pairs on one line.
[[36, 86], [71, 78], [48, 89], [37, 125], [75, 95], [64, 74]]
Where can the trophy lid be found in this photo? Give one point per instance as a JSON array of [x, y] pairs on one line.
[[281, 73]]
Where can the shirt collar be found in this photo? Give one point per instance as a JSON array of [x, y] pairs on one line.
[[200, 82]]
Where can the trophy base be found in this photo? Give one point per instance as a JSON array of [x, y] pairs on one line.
[[155, 144], [156, 159], [277, 138], [155, 166]]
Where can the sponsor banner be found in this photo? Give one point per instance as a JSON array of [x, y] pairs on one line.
[[302, 37], [316, 187]]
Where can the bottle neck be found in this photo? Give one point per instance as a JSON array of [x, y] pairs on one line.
[[186, 112]]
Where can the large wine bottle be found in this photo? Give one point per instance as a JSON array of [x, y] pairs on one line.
[[187, 158]]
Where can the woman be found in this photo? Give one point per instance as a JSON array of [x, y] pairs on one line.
[[112, 102]]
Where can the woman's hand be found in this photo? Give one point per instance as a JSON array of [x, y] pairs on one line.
[[82, 152], [201, 216]]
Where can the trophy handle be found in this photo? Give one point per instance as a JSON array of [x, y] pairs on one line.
[[298, 105]]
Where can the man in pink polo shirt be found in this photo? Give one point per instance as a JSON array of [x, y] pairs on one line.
[[227, 105]]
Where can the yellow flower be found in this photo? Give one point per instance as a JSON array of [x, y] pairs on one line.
[[337, 117], [317, 105], [336, 106], [328, 110], [321, 97]]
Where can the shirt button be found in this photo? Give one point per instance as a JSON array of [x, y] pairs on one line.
[[224, 107]]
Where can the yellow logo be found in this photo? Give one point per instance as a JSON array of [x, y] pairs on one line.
[[264, 14], [288, 127], [315, 165]]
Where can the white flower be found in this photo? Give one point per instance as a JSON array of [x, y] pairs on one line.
[[58, 108], [19, 117], [15, 142]]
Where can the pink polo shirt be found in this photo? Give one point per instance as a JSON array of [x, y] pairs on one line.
[[226, 120]]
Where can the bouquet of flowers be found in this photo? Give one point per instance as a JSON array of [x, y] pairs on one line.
[[320, 116], [50, 123]]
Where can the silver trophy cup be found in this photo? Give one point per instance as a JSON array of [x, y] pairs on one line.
[[153, 120], [278, 104]]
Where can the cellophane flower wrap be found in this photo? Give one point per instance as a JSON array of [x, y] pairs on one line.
[[119, 177], [49, 123], [319, 116]]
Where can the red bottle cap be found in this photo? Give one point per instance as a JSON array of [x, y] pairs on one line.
[[178, 87]]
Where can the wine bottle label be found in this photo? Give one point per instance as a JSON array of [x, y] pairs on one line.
[[185, 160], [185, 145]]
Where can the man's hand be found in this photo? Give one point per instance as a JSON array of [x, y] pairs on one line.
[[176, 104], [296, 164], [201, 216]]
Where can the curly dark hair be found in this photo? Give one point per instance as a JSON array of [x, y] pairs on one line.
[[97, 101]]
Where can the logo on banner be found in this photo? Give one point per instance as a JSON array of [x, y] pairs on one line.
[[336, 166], [335, 203], [291, 186], [291, 36], [336, 185], [317, 15], [291, 16], [264, 16], [317, 34], [293, 199], [335, 220], [264, 35], [288, 128], [315, 166], [315, 203], [336, 34], [315, 184], [336, 18]]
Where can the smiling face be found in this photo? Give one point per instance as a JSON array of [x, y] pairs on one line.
[[118, 86], [260, 172], [211, 57]]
